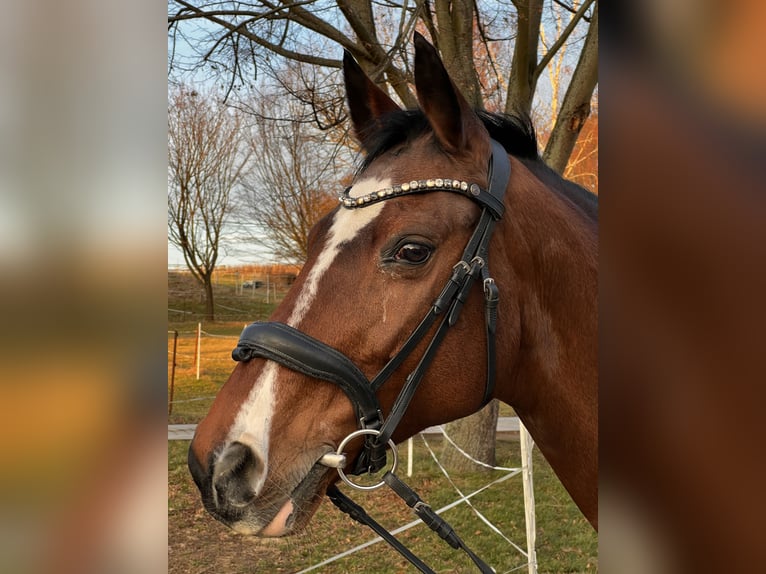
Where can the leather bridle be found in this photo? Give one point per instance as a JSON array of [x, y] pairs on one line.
[[302, 353]]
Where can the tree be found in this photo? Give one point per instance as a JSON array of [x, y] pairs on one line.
[[206, 160], [575, 108], [241, 40], [293, 183]]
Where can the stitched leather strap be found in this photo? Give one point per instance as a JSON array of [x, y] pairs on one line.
[[432, 520], [348, 506], [300, 352]]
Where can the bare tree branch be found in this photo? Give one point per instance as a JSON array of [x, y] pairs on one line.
[[562, 38], [575, 108], [569, 8], [304, 18]]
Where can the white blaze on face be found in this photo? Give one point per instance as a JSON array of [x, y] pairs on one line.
[[253, 423], [346, 225]]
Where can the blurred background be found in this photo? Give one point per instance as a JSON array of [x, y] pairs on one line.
[[682, 247], [82, 287]]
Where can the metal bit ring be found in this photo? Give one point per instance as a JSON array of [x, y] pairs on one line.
[[351, 437]]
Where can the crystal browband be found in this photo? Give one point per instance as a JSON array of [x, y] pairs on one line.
[[471, 190]]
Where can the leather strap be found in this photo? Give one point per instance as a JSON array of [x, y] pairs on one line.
[[499, 174], [491, 301], [348, 506], [432, 520], [300, 352]]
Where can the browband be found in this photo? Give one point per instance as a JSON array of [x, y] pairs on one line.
[[488, 199]]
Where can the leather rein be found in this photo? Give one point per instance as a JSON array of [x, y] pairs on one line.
[[302, 353]]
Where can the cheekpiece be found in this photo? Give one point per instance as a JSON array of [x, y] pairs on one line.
[[470, 190]]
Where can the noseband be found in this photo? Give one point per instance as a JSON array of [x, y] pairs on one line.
[[305, 354]]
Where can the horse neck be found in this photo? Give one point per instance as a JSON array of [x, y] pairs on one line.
[[551, 248]]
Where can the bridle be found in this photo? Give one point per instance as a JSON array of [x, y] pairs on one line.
[[302, 353]]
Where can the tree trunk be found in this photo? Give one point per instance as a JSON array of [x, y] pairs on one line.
[[576, 106], [209, 304], [455, 43], [523, 81], [476, 436]]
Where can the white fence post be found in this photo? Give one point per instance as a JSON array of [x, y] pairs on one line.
[[199, 337], [409, 457], [526, 444]]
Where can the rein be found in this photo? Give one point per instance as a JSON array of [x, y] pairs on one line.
[[302, 353]]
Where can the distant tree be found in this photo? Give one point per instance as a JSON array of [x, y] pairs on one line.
[[293, 183], [206, 161]]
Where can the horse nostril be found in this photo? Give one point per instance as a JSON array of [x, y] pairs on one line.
[[235, 474], [234, 459]]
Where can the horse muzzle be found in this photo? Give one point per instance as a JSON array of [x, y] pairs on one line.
[[235, 491]]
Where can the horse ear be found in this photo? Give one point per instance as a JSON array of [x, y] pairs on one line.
[[448, 112], [366, 101]]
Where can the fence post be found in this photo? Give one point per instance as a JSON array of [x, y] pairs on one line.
[[173, 372], [526, 444], [409, 457], [196, 354]]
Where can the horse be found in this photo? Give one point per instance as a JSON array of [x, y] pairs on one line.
[[349, 350]]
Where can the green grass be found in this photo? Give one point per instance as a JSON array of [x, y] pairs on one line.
[[192, 397], [565, 541]]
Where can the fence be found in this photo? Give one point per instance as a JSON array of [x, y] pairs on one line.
[[240, 293], [199, 362]]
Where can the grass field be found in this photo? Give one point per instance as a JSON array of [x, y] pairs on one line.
[[565, 541], [198, 544]]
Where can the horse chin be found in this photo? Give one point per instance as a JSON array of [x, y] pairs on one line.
[[296, 511]]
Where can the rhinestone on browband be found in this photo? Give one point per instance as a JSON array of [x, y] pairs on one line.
[[414, 186]]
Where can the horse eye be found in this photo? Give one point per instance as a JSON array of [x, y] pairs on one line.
[[413, 253]]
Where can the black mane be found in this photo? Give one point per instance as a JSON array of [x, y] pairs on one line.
[[515, 133]]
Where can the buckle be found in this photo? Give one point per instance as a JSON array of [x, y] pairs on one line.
[[460, 269], [374, 423], [478, 261], [420, 506]]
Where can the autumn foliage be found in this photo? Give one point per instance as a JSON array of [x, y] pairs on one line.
[[583, 163]]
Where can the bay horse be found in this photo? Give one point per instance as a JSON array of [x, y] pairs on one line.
[[349, 349]]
